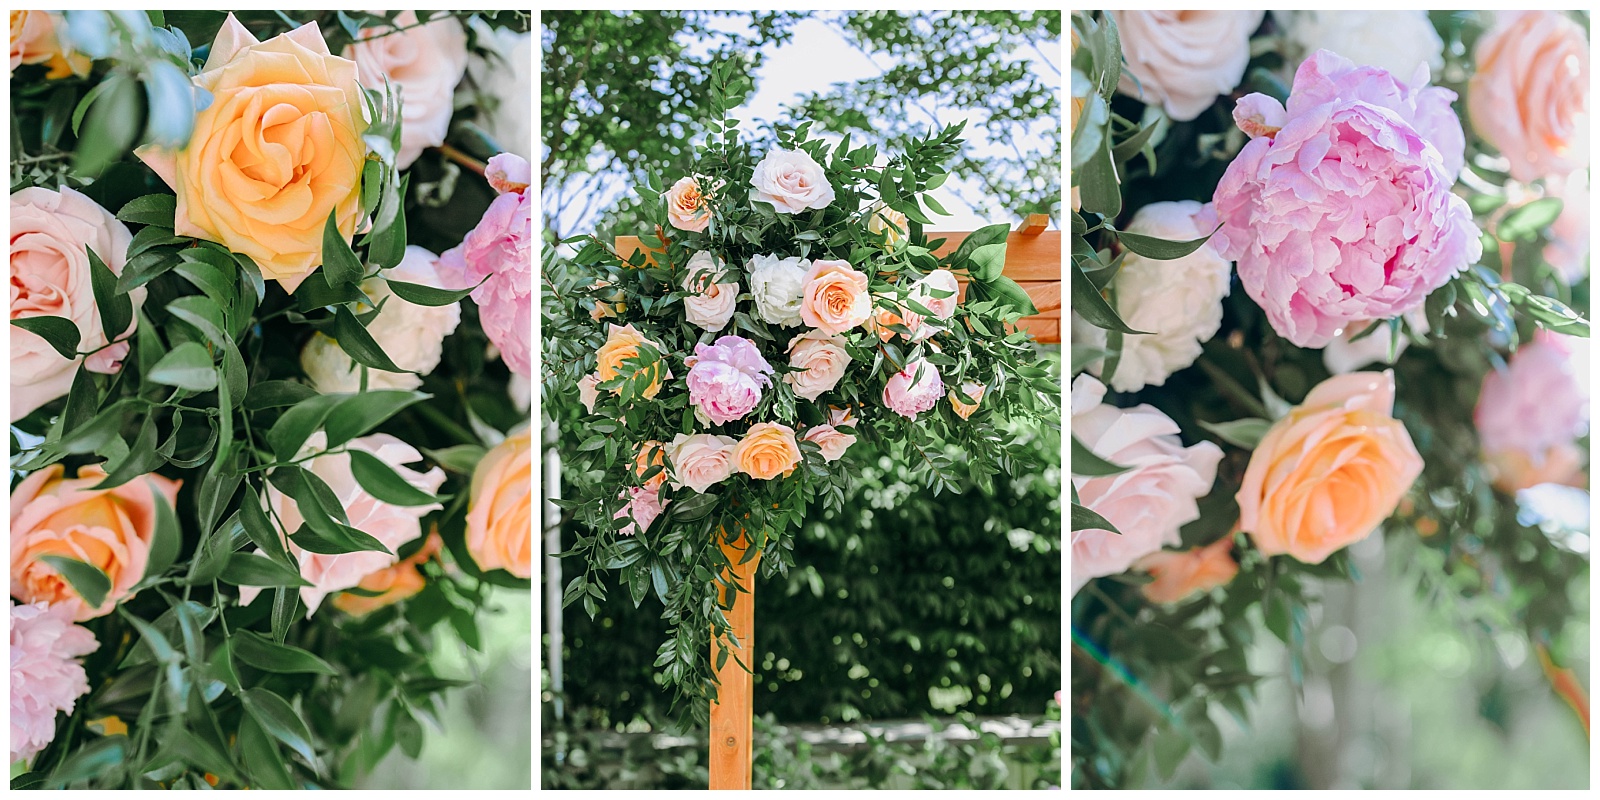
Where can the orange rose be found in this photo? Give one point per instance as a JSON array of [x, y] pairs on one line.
[[110, 529], [1330, 471], [650, 454], [835, 298], [686, 206], [958, 398], [767, 451], [1530, 94], [276, 152], [622, 343], [500, 518], [1179, 575], [393, 584], [34, 41]]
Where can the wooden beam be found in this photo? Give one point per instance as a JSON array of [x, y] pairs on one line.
[[733, 710]]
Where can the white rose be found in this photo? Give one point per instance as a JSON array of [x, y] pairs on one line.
[[1182, 60], [792, 181], [1148, 503], [411, 335], [778, 286], [1178, 301], [1397, 41], [821, 360], [714, 303], [1342, 355], [508, 81], [424, 63]]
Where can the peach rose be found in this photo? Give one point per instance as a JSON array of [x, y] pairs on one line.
[[50, 278], [821, 361], [500, 519], [938, 292], [835, 298], [278, 150], [767, 451], [1330, 471], [109, 529], [34, 41], [832, 441], [1530, 94], [888, 310], [701, 460], [1180, 574], [622, 343], [588, 394], [709, 305], [971, 389], [687, 209], [650, 454], [889, 222], [423, 63], [391, 585]]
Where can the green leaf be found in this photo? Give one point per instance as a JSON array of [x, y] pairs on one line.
[[1161, 249], [246, 569], [1087, 301], [1011, 293], [339, 262], [1084, 519], [420, 295], [280, 721], [107, 134], [260, 528], [1098, 185], [61, 334], [693, 507], [1168, 748], [87, 580], [116, 310], [261, 757], [357, 414], [276, 394], [187, 366], [988, 262], [167, 540], [461, 458], [92, 760], [151, 209], [388, 245], [382, 482], [262, 653], [1526, 222], [141, 457], [198, 752], [354, 339], [295, 426], [1086, 462], [1244, 433]]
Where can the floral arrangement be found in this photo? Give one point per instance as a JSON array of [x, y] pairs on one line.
[[788, 306], [270, 339], [1325, 273]]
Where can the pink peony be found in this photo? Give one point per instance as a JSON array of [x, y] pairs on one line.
[[390, 524], [1147, 503], [46, 676], [725, 378], [1346, 213], [501, 248], [641, 510], [1532, 412], [914, 389]]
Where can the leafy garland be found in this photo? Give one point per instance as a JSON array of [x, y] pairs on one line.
[[678, 557]]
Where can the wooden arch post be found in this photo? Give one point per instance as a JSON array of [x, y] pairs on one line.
[[1033, 260]]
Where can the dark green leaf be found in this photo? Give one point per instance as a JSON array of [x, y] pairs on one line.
[[354, 339], [116, 310], [276, 394], [1160, 249], [1085, 519], [87, 580], [296, 425], [382, 482], [357, 414], [1244, 433], [61, 334], [280, 721], [264, 654], [187, 366], [339, 262], [246, 569], [151, 209], [418, 294]]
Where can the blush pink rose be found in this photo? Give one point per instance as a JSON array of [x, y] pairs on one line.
[[108, 529], [792, 181], [588, 391], [938, 292], [709, 305], [501, 249], [391, 525], [641, 510], [820, 361], [1182, 60], [725, 378], [1568, 250], [1149, 502], [1531, 413], [887, 310], [914, 389], [835, 298], [687, 209], [701, 460], [1346, 213], [423, 63], [50, 278], [1529, 96], [832, 441], [47, 675]]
